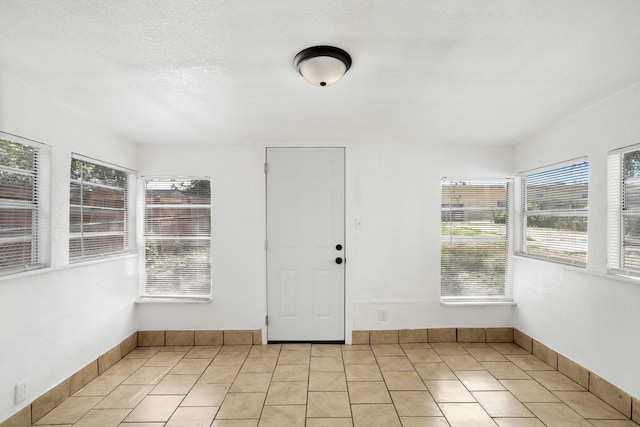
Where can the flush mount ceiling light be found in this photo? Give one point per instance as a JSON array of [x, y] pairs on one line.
[[322, 65]]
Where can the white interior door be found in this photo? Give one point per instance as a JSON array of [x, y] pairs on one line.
[[305, 244]]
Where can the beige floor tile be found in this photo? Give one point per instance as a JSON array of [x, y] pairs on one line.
[[165, 358], [154, 409], [387, 350], [554, 380], [479, 381], [238, 348], [141, 425], [175, 384], [501, 404], [363, 373], [519, 422], [223, 374], [328, 404], [588, 405], [327, 364], [448, 348], [424, 422], [184, 349], [434, 371], [192, 417], [234, 423], [203, 352], [401, 380], [462, 362], [557, 415], [70, 411], [259, 365], [329, 422], [529, 391], [102, 385], [241, 406], [247, 383], [355, 347], [508, 348], [294, 357], [448, 391], [505, 371], [528, 362], [486, 354], [147, 375], [358, 358], [283, 416], [206, 395], [142, 353], [375, 415], [125, 397], [296, 347], [411, 345], [422, 355], [326, 350], [327, 381], [125, 367], [190, 366], [269, 350], [368, 392], [415, 404], [466, 415], [613, 423], [229, 358], [287, 393], [291, 373], [103, 418], [394, 363]]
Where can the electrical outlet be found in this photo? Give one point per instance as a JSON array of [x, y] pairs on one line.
[[22, 391], [382, 315]]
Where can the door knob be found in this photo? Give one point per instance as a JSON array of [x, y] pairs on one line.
[[338, 260]]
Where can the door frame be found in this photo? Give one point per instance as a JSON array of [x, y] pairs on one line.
[[261, 221]]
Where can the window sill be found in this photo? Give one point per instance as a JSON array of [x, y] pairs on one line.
[[194, 300], [476, 303]]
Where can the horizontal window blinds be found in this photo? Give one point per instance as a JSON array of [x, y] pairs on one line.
[[624, 211], [177, 237], [98, 225], [19, 203], [475, 261], [555, 206]]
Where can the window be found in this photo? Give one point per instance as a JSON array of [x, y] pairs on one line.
[[475, 248], [624, 211], [554, 208], [98, 217], [19, 204], [177, 238]]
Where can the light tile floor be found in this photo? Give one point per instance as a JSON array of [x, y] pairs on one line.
[[318, 385]]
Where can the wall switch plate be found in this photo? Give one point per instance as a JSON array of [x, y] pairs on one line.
[[22, 391]]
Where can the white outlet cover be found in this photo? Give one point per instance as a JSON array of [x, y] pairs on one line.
[[21, 392]]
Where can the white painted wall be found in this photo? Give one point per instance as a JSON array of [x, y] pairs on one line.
[[393, 262], [585, 314], [238, 290], [56, 320]]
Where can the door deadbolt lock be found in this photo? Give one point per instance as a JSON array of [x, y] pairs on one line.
[[338, 247]]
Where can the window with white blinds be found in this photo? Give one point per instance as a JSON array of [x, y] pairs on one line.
[[554, 207], [476, 244], [19, 204], [624, 211], [177, 238], [98, 212]]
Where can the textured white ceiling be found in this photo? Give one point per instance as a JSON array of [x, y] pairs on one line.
[[220, 71]]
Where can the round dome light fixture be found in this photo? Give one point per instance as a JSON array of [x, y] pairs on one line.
[[322, 65]]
